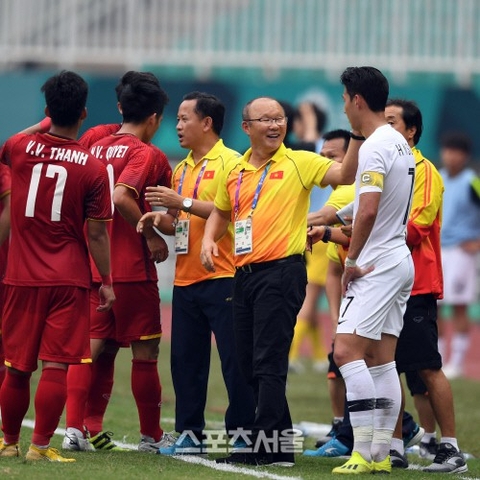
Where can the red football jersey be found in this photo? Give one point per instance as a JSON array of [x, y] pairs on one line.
[[136, 165], [94, 134], [5, 187], [56, 186]]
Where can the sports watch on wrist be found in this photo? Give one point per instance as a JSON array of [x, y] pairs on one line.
[[187, 204]]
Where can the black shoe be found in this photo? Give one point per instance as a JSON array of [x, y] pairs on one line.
[[254, 459], [397, 460], [282, 459], [447, 460], [429, 449], [336, 424]]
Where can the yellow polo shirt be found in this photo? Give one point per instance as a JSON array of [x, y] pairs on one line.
[[188, 268], [339, 198], [317, 261], [279, 221]]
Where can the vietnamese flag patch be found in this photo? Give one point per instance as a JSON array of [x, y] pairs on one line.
[[209, 174], [276, 175]]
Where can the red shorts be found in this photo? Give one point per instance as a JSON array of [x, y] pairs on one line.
[[135, 314], [2, 293], [2, 356], [46, 323]]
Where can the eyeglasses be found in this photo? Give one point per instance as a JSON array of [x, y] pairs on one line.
[[268, 121]]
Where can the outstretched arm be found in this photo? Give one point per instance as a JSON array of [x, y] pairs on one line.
[[344, 173], [167, 197]]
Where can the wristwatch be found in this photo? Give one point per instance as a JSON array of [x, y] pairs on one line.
[[187, 204]]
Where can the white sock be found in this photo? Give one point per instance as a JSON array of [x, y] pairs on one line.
[[460, 344], [442, 346], [397, 444], [361, 404], [451, 440], [428, 436], [388, 401]]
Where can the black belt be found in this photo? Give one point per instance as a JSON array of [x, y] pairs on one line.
[[257, 267]]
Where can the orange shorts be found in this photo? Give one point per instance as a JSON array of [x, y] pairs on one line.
[[46, 323], [135, 314]]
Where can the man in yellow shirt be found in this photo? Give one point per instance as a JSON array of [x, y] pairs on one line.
[[202, 301], [266, 197]]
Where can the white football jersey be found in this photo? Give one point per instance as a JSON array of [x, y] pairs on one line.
[[386, 164]]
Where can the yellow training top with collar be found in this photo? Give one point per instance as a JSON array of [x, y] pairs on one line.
[[279, 221], [189, 269], [339, 198]]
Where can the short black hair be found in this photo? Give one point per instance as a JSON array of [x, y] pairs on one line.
[[129, 76], [411, 115], [338, 133], [208, 105], [370, 83], [141, 97], [66, 96], [457, 141]]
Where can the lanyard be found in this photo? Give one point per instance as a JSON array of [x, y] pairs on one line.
[[197, 182], [255, 196]]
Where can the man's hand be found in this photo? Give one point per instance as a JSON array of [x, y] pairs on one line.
[[351, 273], [163, 197], [347, 229], [158, 248], [148, 220], [314, 235], [209, 250], [107, 297]]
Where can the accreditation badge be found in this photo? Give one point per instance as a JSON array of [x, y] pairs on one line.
[[182, 231], [243, 236]]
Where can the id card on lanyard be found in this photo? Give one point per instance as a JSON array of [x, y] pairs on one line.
[[243, 236], [182, 227], [243, 231], [182, 231]]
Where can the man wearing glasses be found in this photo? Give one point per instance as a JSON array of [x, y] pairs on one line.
[[266, 197]]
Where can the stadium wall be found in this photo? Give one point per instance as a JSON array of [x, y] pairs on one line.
[[445, 106]]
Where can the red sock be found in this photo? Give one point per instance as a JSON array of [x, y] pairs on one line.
[[49, 403], [79, 378], [147, 392], [14, 401], [3, 368], [103, 370]]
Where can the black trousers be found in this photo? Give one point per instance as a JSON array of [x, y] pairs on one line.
[[197, 311], [265, 308]]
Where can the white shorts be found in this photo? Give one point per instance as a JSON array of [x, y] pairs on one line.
[[375, 304], [459, 276]]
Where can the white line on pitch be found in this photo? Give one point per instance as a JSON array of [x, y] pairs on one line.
[[193, 459]]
